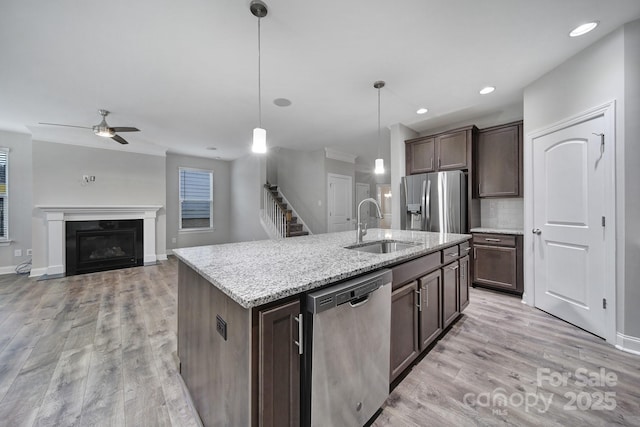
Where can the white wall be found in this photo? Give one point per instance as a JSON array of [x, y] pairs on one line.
[[302, 179], [221, 232], [20, 190], [607, 70], [248, 175], [122, 178]]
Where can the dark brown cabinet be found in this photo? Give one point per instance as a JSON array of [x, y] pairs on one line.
[[420, 156], [497, 261], [449, 150], [404, 328], [279, 366], [498, 157], [430, 296], [450, 284], [465, 281]]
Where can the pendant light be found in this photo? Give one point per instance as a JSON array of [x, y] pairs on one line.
[[379, 164], [259, 10]]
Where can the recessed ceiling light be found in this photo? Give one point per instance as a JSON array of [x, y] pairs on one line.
[[282, 102], [486, 90], [422, 111], [583, 29]]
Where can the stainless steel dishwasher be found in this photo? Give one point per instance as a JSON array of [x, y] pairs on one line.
[[350, 338]]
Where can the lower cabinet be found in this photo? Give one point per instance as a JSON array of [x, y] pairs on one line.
[[404, 328], [465, 281], [430, 296], [497, 261], [450, 285], [279, 366]]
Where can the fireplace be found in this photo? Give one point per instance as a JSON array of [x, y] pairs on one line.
[[103, 245]]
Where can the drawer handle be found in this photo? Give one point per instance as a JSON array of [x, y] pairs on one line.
[[467, 249], [455, 267], [492, 240], [452, 254]]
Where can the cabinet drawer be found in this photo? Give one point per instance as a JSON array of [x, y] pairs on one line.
[[464, 248], [494, 239], [449, 254], [413, 269]]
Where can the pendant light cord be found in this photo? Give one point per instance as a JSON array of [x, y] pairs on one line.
[[379, 150], [259, 80]]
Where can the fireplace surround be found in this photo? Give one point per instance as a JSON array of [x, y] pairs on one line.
[[56, 217]]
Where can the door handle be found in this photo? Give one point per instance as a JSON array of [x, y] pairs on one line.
[[419, 297], [536, 231]]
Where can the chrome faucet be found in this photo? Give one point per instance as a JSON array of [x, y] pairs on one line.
[[362, 228]]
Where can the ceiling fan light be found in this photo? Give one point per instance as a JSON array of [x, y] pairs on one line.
[[379, 167], [259, 141], [104, 132]]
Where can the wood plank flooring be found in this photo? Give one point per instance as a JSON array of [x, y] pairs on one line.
[[100, 350]]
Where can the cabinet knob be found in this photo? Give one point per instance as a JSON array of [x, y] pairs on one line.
[[536, 231]]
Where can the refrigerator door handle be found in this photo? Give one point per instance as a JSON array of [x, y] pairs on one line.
[[427, 204]]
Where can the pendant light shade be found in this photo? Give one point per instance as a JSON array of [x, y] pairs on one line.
[[379, 169], [379, 164], [259, 10], [259, 141]]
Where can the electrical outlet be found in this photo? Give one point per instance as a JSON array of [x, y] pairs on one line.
[[221, 326], [29, 252], [174, 240], [17, 252]]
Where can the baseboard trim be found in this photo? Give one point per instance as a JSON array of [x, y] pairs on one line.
[[162, 257], [37, 272], [10, 269], [628, 343]]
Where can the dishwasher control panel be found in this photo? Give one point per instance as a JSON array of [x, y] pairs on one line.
[[354, 289]]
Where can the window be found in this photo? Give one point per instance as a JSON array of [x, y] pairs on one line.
[[196, 199], [4, 192]]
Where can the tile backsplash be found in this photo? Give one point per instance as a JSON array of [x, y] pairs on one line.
[[502, 213]]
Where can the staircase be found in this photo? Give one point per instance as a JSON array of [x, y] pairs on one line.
[[280, 216]]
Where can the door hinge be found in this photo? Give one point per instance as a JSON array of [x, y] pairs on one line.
[[603, 221], [604, 303]]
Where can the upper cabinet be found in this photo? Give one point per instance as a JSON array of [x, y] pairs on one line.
[[498, 157], [449, 150]]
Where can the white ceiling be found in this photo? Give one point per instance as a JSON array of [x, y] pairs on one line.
[[185, 72]]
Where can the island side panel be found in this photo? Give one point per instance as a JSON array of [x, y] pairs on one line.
[[216, 372]]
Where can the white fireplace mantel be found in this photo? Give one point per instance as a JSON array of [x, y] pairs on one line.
[[57, 215]]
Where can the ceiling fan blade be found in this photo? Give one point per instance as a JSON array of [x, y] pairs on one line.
[[69, 126], [126, 129], [120, 139]]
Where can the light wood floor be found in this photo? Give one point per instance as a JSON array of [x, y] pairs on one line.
[[100, 349]]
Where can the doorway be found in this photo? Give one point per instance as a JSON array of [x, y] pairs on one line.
[[572, 221]]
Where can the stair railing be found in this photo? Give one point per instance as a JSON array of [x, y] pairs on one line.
[[305, 227], [275, 214]]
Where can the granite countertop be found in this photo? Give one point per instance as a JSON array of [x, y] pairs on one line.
[[518, 231], [258, 272]]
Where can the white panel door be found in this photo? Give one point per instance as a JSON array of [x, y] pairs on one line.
[[340, 203], [569, 245]]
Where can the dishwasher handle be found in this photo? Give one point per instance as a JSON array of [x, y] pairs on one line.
[[359, 301]]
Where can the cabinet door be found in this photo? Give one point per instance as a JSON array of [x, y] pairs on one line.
[[404, 328], [464, 283], [495, 266], [279, 369], [452, 150], [430, 304], [420, 156], [499, 159], [450, 286]]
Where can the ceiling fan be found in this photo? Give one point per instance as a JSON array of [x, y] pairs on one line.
[[102, 128]]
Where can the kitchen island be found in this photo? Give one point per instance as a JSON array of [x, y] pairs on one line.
[[240, 305]]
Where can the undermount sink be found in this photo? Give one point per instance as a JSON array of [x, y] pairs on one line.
[[382, 246]]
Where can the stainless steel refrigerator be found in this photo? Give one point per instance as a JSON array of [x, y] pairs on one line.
[[434, 202]]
